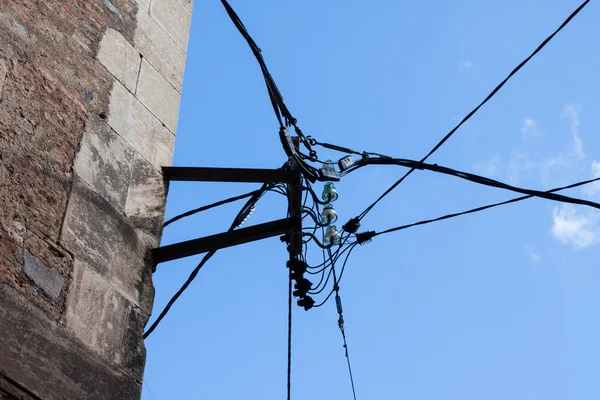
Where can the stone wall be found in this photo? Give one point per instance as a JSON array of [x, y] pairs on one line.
[[89, 99]]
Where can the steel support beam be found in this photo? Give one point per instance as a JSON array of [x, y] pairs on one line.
[[202, 174], [227, 239]]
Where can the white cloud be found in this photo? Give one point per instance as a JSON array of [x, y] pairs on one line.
[[532, 255], [572, 114], [488, 168], [574, 228], [593, 189], [464, 65], [530, 129]]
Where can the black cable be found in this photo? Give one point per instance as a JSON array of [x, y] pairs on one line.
[[206, 257], [479, 179], [465, 119], [289, 359], [204, 208], [398, 228], [349, 366]]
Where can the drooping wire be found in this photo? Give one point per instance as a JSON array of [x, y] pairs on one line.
[[398, 228], [206, 257], [289, 334], [469, 115], [478, 179], [216, 204]]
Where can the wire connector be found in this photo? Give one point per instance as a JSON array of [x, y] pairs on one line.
[[365, 237], [352, 225]]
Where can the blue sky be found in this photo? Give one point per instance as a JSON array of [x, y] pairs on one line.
[[496, 305]]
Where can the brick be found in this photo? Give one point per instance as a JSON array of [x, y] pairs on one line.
[[52, 363], [158, 96], [104, 162], [96, 313], [120, 58], [47, 279], [97, 234], [146, 197], [160, 49], [134, 123], [174, 18]]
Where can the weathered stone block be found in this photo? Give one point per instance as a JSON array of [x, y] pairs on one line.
[[142, 130], [3, 72], [120, 58], [96, 233], [146, 197], [52, 363], [173, 18], [160, 49], [47, 279], [158, 95], [96, 313], [104, 162], [134, 350]]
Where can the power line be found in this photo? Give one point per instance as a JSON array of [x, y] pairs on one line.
[[206, 257], [289, 356], [478, 179], [465, 119], [398, 228]]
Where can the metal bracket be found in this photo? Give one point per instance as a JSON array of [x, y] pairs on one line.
[[292, 225]]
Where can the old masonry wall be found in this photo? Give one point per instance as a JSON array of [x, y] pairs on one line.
[[89, 99]]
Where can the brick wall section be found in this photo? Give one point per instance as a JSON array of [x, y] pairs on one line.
[[89, 100]]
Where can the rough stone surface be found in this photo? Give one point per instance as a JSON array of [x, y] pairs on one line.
[[75, 231], [158, 95], [3, 71], [104, 161], [104, 239], [96, 313], [47, 279], [120, 58], [144, 5], [52, 363], [133, 122], [146, 197], [188, 4], [134, 350], [160, 49], [174, 18]]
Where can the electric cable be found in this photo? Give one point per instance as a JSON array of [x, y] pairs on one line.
[[468, 116], [478, 179], [398, 228], [204, 208], [206, 257]]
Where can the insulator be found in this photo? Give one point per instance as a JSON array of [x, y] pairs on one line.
[[329, 192], [329, 215], [332, 236]]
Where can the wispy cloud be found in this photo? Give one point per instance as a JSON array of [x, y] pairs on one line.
[[532, 255], [571, 226], [489, 168], [593, 189], [464, 65], [571, 112], [530, 129]]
